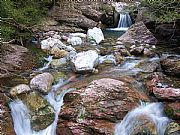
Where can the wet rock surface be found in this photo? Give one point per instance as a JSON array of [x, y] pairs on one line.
[[41, 112], [98, 107]]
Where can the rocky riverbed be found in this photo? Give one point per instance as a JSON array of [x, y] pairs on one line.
[[75, 80]]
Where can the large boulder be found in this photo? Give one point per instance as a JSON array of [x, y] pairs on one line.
[[42, 82], [85, 61], [167, 93], [19, 89], [95, 35], [98, 107], [41, 112], [171, 65], [138, 34], [14, 58]]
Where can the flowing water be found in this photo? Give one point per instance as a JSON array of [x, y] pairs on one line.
[[20, 113], [124, 20], [49, 60], [152, 111]]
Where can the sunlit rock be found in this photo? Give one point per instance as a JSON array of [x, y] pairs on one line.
[[75, 40], [85, 61], [19, 89], [95, 35], [58, 53], [42, 82]]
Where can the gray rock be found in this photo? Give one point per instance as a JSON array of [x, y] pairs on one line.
[[85, 61], [19, 89], [42, 82]]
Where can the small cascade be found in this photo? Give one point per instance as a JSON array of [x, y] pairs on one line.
[[153, 112], [20, 113], [124, 21], [49, 60]]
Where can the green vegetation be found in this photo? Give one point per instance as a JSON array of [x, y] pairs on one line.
[[163, 10], [19, 16]]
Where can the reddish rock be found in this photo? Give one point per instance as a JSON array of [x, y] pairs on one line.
[[167, 93], [6, 124], [171, 65], [138, 34], [14, 58], [97, 108]]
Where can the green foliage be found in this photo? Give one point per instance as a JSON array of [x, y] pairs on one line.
[[26, 13], [163, 10]]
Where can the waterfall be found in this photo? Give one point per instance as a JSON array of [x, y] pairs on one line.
[[124, 20], [20, 113], [153, 112]]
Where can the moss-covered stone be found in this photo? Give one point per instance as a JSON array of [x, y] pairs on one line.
[[41, 112]]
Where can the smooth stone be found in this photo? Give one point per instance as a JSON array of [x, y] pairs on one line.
[[19, 89], [81, 35], [95, 35], [85, 61], [58, 53], [42, 82]]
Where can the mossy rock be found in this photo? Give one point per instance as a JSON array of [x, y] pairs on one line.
[[42, 114]]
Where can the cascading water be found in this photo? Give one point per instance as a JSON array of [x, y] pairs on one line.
[[124, 20], [20, 113], [152, 111], [49, 60]]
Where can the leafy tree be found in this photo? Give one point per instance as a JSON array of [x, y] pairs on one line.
[[163, 10], [19, 16]]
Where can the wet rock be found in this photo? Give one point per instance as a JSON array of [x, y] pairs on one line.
[[41, 112], [98, 107], [75, 40], [119, 57], [107, 59], [56, 63], [19, 89], [137, 50], [138, 34], [6, 123], [85, 61], [42, 82], [58, 53], [122, 50], [148, 52], [14, 58], [95, 35], [172, 110], [171, 65], [167, 93], [172, 129]]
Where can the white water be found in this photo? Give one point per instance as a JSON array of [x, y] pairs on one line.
[[49, 60], [124, 21], [20, 113], [153, 111]]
